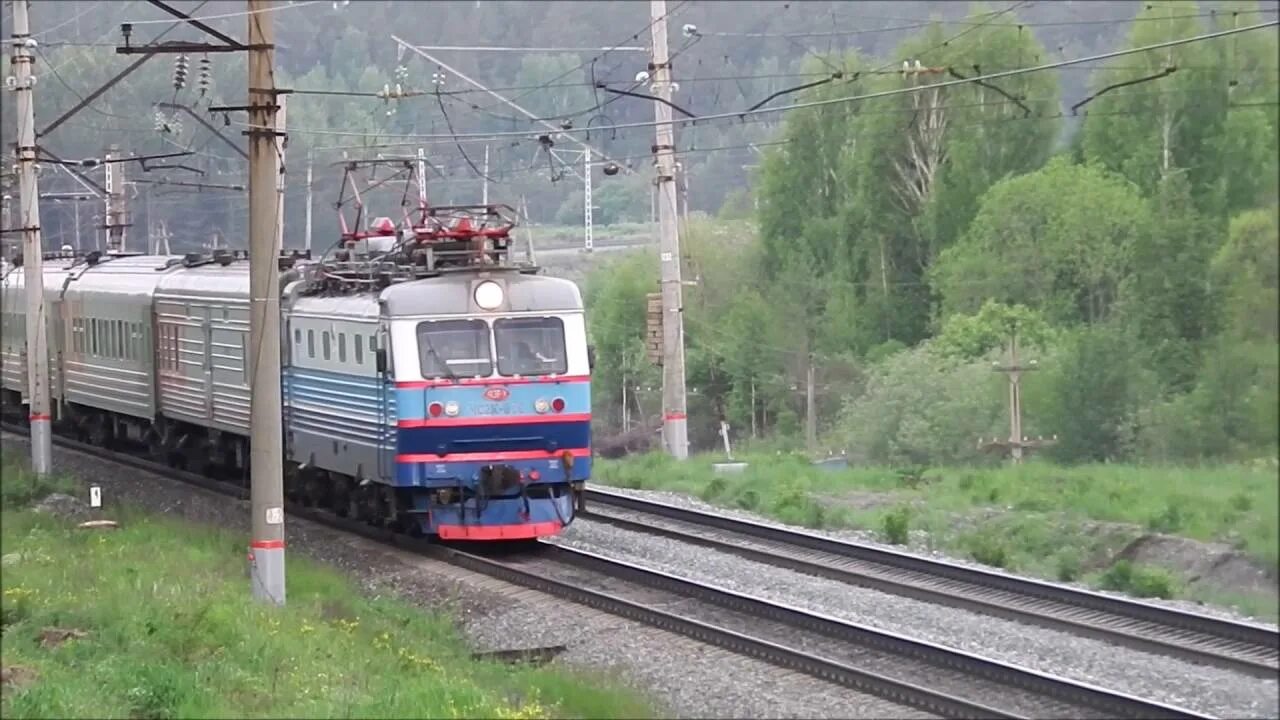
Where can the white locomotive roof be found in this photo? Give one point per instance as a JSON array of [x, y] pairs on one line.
[[363, 306], [451, 294]]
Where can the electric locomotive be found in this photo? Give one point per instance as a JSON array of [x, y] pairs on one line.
[[430, 383]]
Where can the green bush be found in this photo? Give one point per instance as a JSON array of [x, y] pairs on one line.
[[988, 549], [713, 489], [895, 526], [1139, 580], [20, 488], [1068, 565], [795, 506]]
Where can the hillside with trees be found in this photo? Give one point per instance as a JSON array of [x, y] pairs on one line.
[[899, 241]]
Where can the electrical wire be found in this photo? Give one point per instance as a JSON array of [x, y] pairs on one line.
[[648, 26], [241, 13], [1065, 23], [466, 157], [77, 16], [840, 100]]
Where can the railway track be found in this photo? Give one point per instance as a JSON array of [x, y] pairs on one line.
[[1242, 647], [938, 680]]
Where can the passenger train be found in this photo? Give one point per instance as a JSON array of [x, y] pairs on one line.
[[429, 384]]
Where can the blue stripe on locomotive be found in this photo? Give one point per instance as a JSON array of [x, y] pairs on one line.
[[551, 437], [357, 411], [323, 406], [413, 401]]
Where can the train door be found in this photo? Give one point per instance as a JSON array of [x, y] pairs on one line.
[[386, 401], [58, 347], [228, 368]]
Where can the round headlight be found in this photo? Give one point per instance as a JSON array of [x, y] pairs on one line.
[[489, 295], [451, 408]]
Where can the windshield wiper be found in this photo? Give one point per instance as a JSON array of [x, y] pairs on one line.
[[444, 366]]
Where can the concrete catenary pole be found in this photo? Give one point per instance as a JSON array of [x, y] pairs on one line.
[[32, 248], [310, 161], [116, 215], [266, 494], [675, 424], [588, 221]]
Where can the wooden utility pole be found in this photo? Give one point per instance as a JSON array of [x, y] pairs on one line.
[[1017, 442], [32, 246], [675, 423], [266, 468]]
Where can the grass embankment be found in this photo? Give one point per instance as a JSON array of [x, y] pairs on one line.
[[1063, 523], [155, 620]]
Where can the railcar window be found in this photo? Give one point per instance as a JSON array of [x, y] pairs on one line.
[[530, 346], [311, 343], [93, 336], [297, 337], [342, 347], [454, 348], [358, 345], [324, 338]]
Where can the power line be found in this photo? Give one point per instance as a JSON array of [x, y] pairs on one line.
[[241, 13], [648, 26], [839, 100]]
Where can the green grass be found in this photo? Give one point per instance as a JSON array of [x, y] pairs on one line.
[[171, 631], [1057, 522]]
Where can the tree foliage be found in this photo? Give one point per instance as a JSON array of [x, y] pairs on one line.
[[903, 239]]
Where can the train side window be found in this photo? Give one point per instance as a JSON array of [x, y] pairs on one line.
[[373, 343], [311, 343], [324, 338], [297, 337], [342, 347], [359, 348], [93, 336]]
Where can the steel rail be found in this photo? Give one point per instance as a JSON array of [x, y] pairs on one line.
[[1242, 647]]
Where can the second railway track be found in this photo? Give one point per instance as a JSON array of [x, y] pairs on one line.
[[914, 673], [1242, 647]]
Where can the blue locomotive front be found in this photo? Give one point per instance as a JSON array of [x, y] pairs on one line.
[[492, 401]]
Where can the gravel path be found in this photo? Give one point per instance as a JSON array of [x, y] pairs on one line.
[[916, 546], [1207, 690], [683, 677]]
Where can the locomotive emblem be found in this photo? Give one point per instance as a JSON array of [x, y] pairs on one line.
[[496, 394]]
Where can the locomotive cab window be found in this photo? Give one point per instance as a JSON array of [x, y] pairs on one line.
[[530, 346], [454, 348]]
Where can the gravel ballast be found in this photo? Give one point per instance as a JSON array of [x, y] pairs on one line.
[[683, 677], [1203, 689], [916, 546]]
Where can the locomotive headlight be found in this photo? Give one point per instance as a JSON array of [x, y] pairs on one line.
[[488, 295], [451, 408], [541, 406]]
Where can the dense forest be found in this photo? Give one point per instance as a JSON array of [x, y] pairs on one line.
[[897, 244], [1121, 215]]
